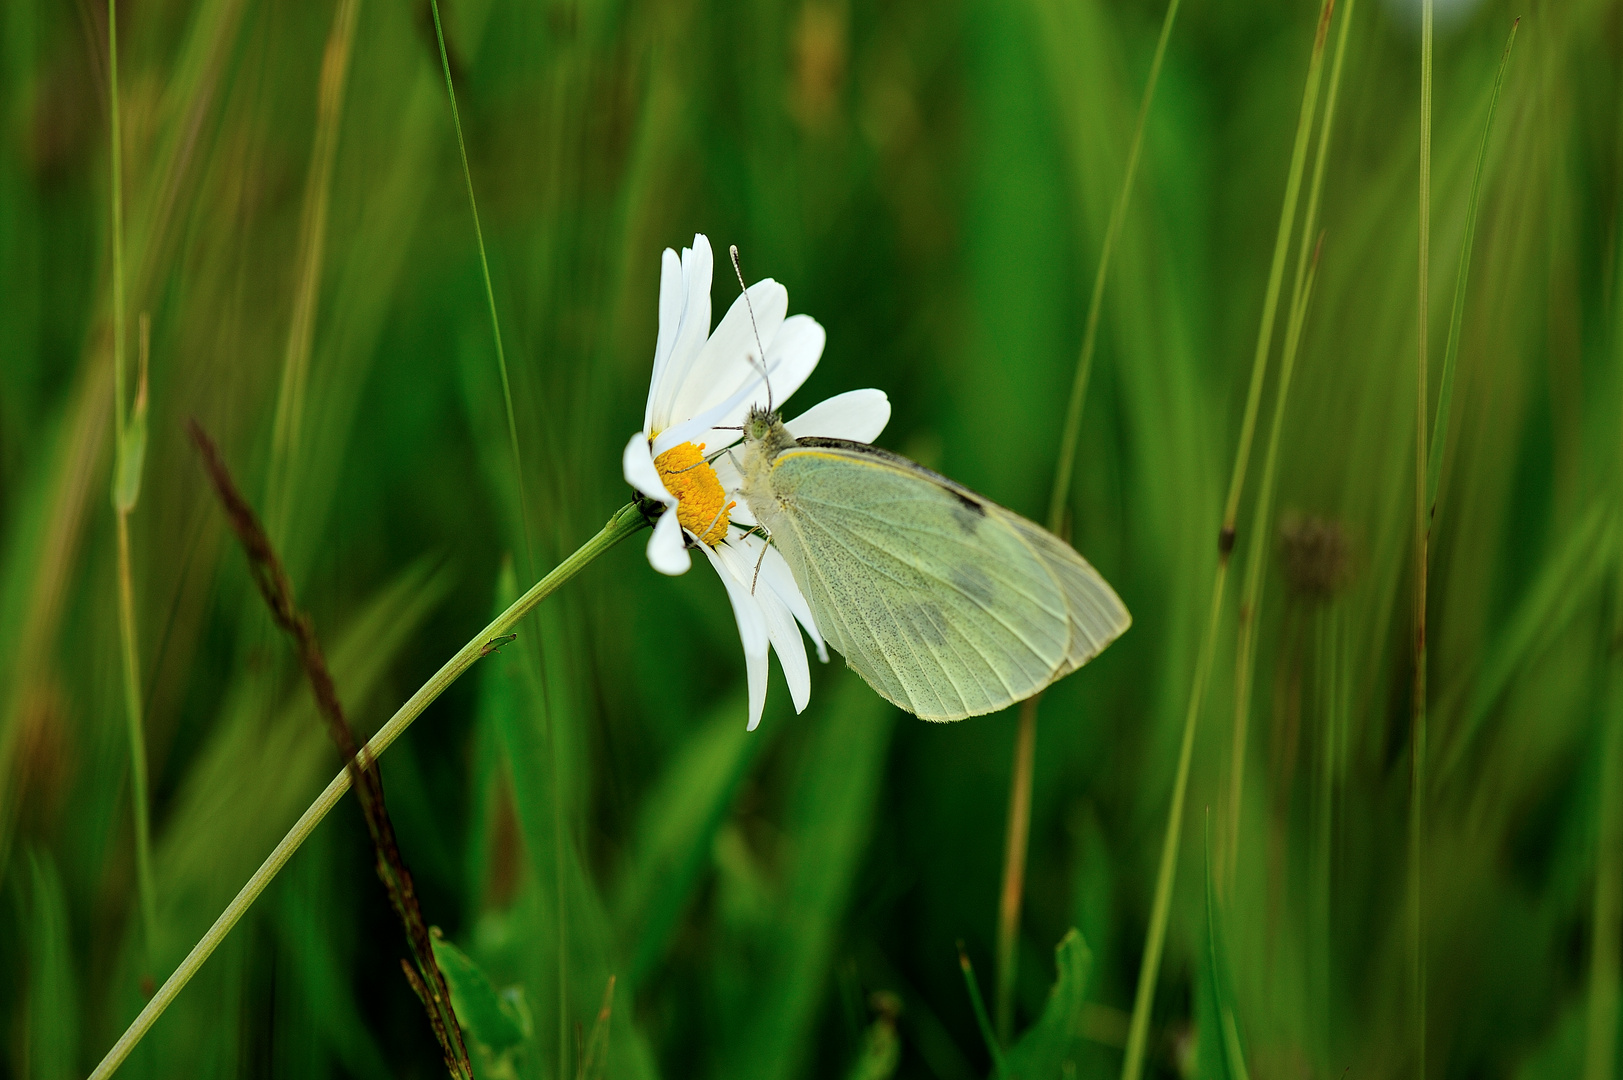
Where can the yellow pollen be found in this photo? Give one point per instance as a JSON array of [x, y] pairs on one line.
[[698, 493]]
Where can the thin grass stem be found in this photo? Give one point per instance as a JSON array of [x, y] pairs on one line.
[[627, 520], [129, 653], [1257, 562], [116, 165], [129, 656], [981, 1019], [1025, 743], [490, 292], [1600, 1043], [1456, 319], [1161, 906], [1417, 735], [524, 530], [1251, 598], [1606, 948], [288, 423]]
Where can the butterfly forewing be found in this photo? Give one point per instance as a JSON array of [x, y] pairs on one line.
[[932, 594]]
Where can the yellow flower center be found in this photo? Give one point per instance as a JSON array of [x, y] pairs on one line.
[[698, 493]]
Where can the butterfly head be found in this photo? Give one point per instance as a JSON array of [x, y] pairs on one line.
[[764, 427]]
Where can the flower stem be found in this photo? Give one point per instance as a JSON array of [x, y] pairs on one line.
[[627, 520]]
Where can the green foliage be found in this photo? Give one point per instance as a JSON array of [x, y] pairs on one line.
[[932, 181], [1045, 1048]]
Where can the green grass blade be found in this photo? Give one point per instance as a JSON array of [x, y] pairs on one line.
[[51, 1040], [1161, 906], [828, 818], [676, 830], [1456, 319], [1019, 823], [490, 292], [982, 1021], [1072, 431], [1417, 731], [1046, 1046]]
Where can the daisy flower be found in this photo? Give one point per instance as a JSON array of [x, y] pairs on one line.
[[702, 386]]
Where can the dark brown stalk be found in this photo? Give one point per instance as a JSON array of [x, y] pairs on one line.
[[427, 980]]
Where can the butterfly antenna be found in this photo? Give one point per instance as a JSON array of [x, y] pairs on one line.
[[765, 377]]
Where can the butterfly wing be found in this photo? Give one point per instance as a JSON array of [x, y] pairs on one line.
[[1098, 616], [938, 598]]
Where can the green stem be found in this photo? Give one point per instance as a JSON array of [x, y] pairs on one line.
[[1150, 964], [128, 655], [490, 292], [116, 153], [1019, 819], [1445, 392], [137, 735], [627, 520], [981, 1019], [1251, 593], [1090, 333]]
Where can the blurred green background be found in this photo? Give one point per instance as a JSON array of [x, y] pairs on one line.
[[931, 180]]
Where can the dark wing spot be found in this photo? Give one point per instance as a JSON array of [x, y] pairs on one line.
[[968, 512]]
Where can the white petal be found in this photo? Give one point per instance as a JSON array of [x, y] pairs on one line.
[[671, 299], [667, 548], [790, 360], [741, 557], [692, 332], [858, 415], [637, 463], [732, 356], [751, 632], [701, 428], [776, 576], [791, 357]]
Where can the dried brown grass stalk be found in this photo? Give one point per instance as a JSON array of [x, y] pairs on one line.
[[426, 980]]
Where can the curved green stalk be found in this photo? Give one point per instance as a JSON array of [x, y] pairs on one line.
[[627, 520]]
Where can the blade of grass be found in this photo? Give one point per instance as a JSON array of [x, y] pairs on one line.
[[982, 1021], [524, 528], [128, 652], [490, 292], [1456, 319], [1256, 557], [1600, 1051], [1417, 730], [130, 453], [1160, 910], [627, 520], [1256, 566], [1606, 949], [1025, 745], [290, 400]]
